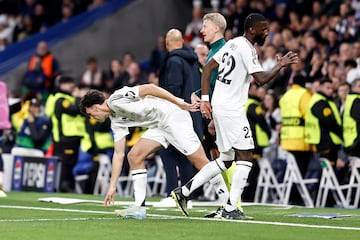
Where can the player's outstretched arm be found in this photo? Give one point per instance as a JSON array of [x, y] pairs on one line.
[[117, 163], [153, 90], [282, 62]]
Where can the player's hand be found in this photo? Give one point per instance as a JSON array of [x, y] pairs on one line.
[[288, 59], [191, 107], [110, 197], [211, 128], [340, 163], [195, 98], [206, 109], [214, 152]]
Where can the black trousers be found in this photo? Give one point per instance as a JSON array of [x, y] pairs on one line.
[[67, 151], [178, 168]]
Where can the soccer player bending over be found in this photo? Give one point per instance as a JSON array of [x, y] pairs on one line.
[[168, 122]]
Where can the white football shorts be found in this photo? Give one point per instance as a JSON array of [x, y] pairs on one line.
[[176, 130], [233, 132]]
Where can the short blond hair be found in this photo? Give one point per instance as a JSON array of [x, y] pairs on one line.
[[217, 19]]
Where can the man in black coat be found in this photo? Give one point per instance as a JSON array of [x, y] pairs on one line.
[[180, 75]]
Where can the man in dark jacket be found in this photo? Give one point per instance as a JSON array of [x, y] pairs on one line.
[[180, 75]]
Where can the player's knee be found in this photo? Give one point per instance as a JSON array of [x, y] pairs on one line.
[[200, 163], [134, 158], [245, 156], [198, 158]]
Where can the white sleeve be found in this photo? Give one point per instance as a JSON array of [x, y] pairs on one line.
[[250, 58], [219, 54], [119, 132], [128, 92], [122, 96]]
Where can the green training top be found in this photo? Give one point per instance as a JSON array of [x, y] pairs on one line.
[[214, 48]]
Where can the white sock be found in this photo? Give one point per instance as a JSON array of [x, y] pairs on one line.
[[239, 180], [210, 170], [220, 188], [139, 177]]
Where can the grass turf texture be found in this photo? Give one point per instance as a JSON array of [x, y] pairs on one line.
[[23, 217]]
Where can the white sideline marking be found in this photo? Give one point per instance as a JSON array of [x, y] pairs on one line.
[[65, 200], [55, 209], [52, 219], [157, 216]]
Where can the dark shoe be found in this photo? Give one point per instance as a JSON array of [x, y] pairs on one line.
[[235, 214], [180, 200], [215, 214]]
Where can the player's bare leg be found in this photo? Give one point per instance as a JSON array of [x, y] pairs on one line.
[[138, 153]]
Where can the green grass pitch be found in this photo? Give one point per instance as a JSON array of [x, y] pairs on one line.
[[23, 216]]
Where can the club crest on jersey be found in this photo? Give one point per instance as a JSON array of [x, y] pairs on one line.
[[233, 46]]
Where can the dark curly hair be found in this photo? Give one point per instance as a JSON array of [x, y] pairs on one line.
[[252, 20], [91, 97]]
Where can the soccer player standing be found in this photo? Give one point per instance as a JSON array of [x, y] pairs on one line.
[[237, 63]]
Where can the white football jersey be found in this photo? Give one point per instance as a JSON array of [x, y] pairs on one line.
[[237, 61], [129, 110]]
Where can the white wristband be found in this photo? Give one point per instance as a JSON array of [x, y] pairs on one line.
[[205, 98]]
